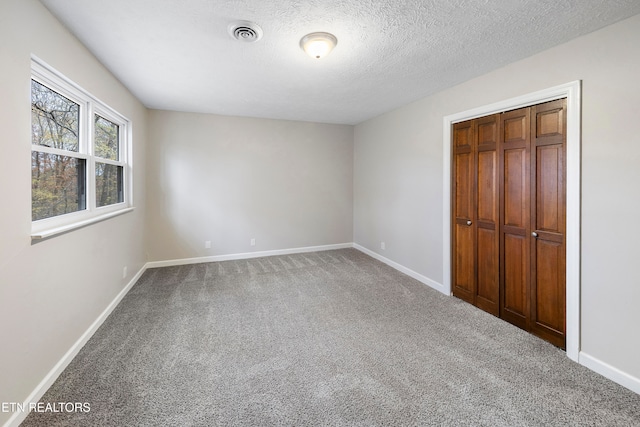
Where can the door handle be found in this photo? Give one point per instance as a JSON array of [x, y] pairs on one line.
[[469, 222], [534, 234]]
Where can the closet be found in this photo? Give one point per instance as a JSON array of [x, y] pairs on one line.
[[508, 225]]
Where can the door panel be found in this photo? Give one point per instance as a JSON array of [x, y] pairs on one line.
[[464, 272], [488, 253], [515, 279], [549, 188], [515, 216], [488, 131], [488, 187], [516, 126], [464, 186], [488, 273], [515, 187], [550, 120], [464, 202], [463, 135], [515, 249], [549, 307], [548, 198]]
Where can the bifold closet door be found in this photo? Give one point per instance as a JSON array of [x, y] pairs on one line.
[[509, 214], [548, 243], [487, 218], [475, 213], [515, 224], [464, 188]]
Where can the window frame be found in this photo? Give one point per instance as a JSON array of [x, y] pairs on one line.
[[89, 106]]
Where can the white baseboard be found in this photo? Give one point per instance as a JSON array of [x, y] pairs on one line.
[[247, 255], [55, 372], [419, 277], [610, 372]]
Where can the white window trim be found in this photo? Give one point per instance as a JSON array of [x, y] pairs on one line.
[[89, 105]]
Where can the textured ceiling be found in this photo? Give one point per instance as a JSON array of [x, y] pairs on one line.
[[177, 54]]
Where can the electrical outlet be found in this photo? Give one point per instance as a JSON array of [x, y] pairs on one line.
[[383, 246], [253, 242], [207, 244], [124, 272]]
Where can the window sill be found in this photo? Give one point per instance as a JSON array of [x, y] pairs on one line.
[[45, 234]]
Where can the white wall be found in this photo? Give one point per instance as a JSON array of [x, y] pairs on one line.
[[230, 179], [52, 291], [398, 178]]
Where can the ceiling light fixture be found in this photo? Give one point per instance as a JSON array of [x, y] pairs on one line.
[[318, 45]]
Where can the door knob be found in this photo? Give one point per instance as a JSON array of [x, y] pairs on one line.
[[534, 234], [469, 222]]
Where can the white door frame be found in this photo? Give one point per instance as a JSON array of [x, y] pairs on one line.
[[571, 91]]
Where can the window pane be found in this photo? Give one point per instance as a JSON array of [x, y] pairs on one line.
[[108, 184], [57, 185], [106, 138], [54, 119]]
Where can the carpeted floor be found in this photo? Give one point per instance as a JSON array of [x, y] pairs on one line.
[[331, 338]]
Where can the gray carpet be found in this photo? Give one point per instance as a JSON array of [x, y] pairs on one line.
[[328, 338]]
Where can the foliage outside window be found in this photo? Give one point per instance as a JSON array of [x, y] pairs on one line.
[[79, 154], [108, 175]]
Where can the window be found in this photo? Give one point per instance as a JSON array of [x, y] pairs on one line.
[[80, 158]]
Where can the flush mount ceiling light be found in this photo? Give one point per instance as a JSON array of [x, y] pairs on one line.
[[245, 31], [318, 45]]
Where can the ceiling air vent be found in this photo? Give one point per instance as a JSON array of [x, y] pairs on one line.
[[245, 31]]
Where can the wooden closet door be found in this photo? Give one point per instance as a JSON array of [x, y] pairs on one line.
[[475, 213], [548, 203], [464, 245], [487, 218], [515, 216], [509, 217]]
